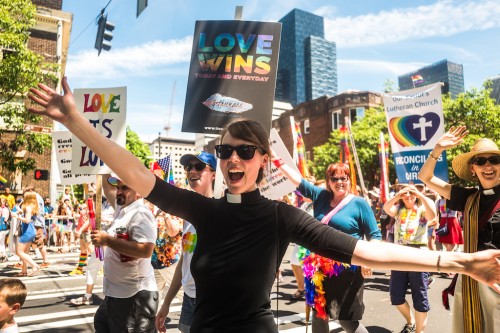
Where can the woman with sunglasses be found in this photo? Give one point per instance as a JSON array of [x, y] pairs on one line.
[[243, 236], [343, 285], [476, 307], [411, 211]]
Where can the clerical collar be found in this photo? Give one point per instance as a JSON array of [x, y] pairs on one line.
[[243, 197], [491, 191]]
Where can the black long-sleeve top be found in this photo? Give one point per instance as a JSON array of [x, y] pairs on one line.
[[241, 242]]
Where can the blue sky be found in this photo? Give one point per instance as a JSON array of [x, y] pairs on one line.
[[376, 40]]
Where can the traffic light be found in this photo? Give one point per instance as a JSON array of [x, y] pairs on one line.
[[41, 174], [104, 34]]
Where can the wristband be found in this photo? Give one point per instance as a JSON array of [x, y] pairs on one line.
[[278, 162], [432, 156], [438, 264]]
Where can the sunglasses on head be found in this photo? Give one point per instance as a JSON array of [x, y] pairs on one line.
[[245, 152], [198, 166], [494, 160], [336, 179]]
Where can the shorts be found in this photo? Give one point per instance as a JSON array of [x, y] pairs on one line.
[[39, 238], [418, 283], [133, 314], [187, 311]]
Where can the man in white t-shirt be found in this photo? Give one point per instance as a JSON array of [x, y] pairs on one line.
[[200, 174], [131, 295]]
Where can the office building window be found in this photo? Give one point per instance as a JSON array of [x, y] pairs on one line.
[[306, 126]]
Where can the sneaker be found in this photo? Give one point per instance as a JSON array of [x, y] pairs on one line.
[[44, 265], [409, 328], [82, 301], [76, 271], [430, 281]]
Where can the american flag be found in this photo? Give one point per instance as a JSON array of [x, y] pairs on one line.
[[166, 165]]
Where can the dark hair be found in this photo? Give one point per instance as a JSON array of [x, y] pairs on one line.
[[13, 291], [251, 131], [334, 168]]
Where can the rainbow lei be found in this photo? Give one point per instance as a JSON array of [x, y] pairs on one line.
[[316, 268]]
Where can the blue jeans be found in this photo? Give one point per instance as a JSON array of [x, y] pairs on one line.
[[187, 310]]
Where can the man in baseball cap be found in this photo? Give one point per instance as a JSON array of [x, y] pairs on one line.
[[203, 156], [200, 175]]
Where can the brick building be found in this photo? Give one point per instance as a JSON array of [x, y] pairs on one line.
[[49, 38], [319, 117]]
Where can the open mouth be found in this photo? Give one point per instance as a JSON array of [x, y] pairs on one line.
[[235, 175], [488, 173]]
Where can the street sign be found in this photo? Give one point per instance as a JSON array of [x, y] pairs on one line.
[[37, 129]]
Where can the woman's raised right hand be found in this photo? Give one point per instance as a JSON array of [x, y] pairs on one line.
[[57, 107]]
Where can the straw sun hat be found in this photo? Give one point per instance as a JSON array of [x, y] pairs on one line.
[[461, 164]]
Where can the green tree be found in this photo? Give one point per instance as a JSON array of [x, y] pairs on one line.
[[20, 68], [389, 86], [137, 147]]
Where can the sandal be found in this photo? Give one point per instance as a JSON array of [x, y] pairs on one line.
[[298, 295], [35, 271], [21, 274]]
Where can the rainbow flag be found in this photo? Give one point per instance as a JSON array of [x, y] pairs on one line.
[[300, 148], [383, 157], [346, 157], [417, 79], [3, 180]]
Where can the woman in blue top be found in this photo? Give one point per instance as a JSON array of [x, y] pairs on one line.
[[353, 216]]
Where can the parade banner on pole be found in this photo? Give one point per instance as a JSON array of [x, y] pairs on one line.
[[62, 143], [106, 110], [276, 184], [415, 122], [232, 74]]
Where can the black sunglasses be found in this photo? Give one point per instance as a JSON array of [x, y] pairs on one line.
[[336, 179], [198, 166], [494, 160], [245, 152]]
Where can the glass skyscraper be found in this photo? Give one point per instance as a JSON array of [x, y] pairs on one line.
[[307, 67], [450, 73]]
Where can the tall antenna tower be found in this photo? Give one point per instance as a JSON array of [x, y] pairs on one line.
[[167, 126]]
